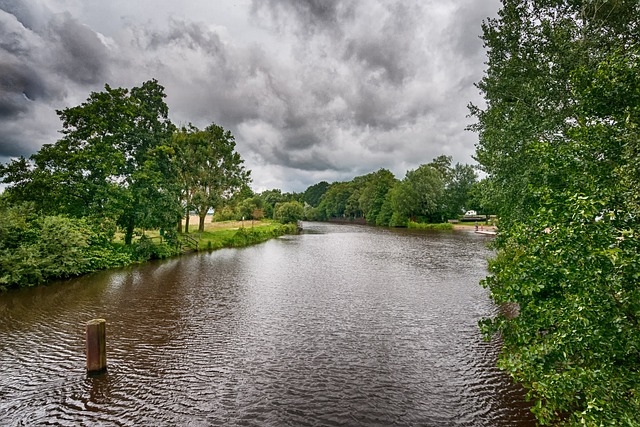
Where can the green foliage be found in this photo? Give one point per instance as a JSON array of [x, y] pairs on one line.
[[226, 213], [313, 194], [271, 198], [249, 236], [433, 192], [375, 187], [426, 226], [458, 190], [289, 212], [112, 162], [558, 140], [386, 210], [418, 195], [210, 171], [251, 208], [482, 197], [335, 199], [146, 248], [244, 236], [35, 250]]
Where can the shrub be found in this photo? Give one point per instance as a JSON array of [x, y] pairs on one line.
[[289, 212]]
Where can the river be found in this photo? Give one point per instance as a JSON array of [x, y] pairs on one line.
[[339, 326]]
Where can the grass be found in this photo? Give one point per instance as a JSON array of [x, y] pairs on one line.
[[233, 234], [424, 226], [226, 234], [244, 236]]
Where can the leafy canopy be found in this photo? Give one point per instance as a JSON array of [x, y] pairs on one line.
[[558, 139]]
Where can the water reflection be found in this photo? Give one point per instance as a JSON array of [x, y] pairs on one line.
[[347, 325]]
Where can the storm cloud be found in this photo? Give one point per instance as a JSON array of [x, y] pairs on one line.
[[313, 90]]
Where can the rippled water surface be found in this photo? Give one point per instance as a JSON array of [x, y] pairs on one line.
[[340, 326]]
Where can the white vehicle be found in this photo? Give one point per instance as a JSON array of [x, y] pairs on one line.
[[470, 213]]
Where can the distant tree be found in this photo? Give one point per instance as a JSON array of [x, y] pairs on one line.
[[313, 194], [257, 214], [211, 170], [458, 189], [372, 196], [289, 212], [419, 194], [482, 197], [442, 164], [248, 207], [270, 199], [335, 199], [384, 217]]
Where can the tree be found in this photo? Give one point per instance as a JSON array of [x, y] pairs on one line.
[[270, 199], [335, 199], [418, 195], [375, 188], [289, 212], [210, 169], [558, 140], [458, 189], [251, 208], [112, 162], [313, 194]]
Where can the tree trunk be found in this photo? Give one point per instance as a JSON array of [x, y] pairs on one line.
[[128, 235], [179, 226], [203, 216], [186, 222]]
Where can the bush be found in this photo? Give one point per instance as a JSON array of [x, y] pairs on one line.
[[226, 213], [289, 212], [35, 250], [145, 249]]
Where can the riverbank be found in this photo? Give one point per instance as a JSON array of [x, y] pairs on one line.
[[63, 248], [235, 234], [472, 227]]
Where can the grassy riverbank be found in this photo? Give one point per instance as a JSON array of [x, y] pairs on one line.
[[232, 234], [425, 226], [35, 250]]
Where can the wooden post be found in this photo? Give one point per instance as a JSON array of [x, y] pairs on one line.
[[96, 346]]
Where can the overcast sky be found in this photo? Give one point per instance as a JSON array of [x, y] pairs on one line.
[[312, 89]]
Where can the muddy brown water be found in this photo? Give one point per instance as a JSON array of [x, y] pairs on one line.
[[340, 326]]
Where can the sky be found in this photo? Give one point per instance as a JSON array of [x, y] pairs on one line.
[[312, 90]]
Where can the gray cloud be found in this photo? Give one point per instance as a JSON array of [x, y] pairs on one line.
[[313, 90], [307, 17], [76, 51], [45, 60]]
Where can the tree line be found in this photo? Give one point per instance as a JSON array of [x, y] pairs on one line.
[[559, 141], [432, 193]]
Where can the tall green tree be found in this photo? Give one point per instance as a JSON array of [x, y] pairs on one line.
[[375, 188], [458, 190], [289, 212], [313, 194], [274, 196], [558, 140], [335, 199], [112, 161], [418, 195], [209, 169]]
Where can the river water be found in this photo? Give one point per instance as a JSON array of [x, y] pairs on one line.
[[339, 326]]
